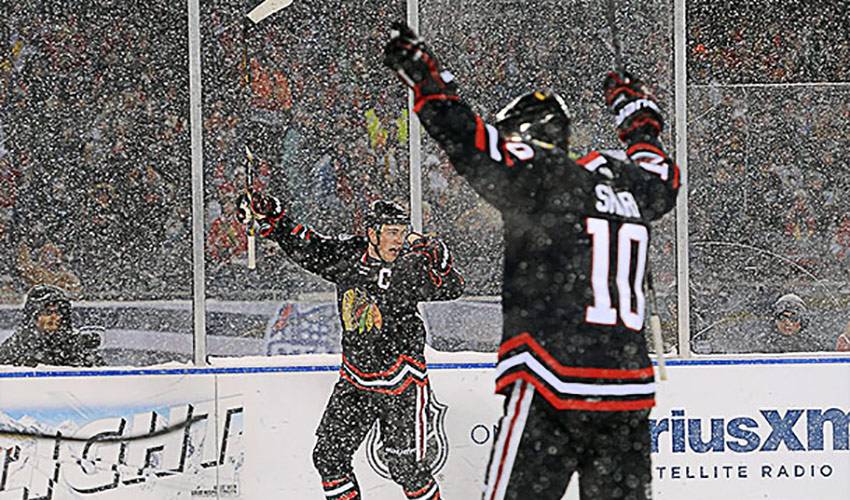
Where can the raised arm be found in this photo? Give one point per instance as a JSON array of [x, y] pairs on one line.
[[639, 123], [314, 252], [490, 163]]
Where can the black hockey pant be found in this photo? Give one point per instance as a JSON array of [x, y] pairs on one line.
[[349, 415], [537, 448]]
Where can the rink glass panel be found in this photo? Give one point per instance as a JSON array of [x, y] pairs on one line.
[[328, 126], [768, 215], [768, 94], [95, 168], [498, 50]]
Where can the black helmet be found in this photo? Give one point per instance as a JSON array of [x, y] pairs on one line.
[[540, 115], [382, 212], [40, 297]]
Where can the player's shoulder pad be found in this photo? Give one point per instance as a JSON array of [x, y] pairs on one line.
[[617, 154], [605, 163], [353, 240]]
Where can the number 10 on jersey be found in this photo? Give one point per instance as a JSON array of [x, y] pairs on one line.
[[629, 291]]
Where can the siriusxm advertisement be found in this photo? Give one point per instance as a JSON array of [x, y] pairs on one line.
[[775, 430]]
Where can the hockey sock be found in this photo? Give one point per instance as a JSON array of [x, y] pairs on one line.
[[343, 488]]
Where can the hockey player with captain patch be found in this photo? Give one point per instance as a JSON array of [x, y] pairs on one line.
[[380, 279], [573, 363]]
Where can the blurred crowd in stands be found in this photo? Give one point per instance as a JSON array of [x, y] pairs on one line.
[[761, 41], [95, 179], [95, 149]]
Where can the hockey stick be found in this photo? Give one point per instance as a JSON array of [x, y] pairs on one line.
[[266, 9], [654, 318], [252, 228], [257, 14], [249, 158], [655, 326], [615, 38], [110, 437]]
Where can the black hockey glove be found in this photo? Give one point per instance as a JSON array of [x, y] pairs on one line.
[[438, 256], [90, 337], [264, 210], [633, 105], [407, 55]]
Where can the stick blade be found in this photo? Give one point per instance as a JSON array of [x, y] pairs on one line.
[[266, 9], [252, 251]]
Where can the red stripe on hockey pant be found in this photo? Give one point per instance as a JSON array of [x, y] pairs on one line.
[[566, 371], [508, 441], [480, 134], [574, 404], [348, 496], [335, 482]]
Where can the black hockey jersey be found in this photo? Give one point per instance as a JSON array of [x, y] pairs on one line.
[[576, 242], [383, 335]]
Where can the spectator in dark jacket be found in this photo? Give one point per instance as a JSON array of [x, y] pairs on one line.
[[790, 318], [46, 334]]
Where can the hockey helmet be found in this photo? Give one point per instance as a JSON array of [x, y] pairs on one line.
[[540, 115], [383, 212], [41, 297]]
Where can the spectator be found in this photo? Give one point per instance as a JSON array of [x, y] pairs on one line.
[[843, 342], [49, 269], [226, 239], [790, 319], [46, 335]]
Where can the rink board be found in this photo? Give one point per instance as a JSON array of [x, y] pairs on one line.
[[744, 429]]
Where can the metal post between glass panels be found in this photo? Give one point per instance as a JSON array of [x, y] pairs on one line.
[[680, 43], [414, 137], [198, 277]]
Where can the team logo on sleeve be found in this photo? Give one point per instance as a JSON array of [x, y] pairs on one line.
[[359, 312], [431, 441]]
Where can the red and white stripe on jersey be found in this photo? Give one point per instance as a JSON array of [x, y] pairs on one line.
[[655, 161], [511, 429], [430, 491], [592, 161], [302, 232], [488, 140], [573, 388], [394, 380], [340, 489]]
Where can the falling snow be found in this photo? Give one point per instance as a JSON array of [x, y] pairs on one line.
[[95, 160]]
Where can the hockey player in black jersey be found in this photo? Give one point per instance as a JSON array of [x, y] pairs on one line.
[[573, 362], [380, 279]]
